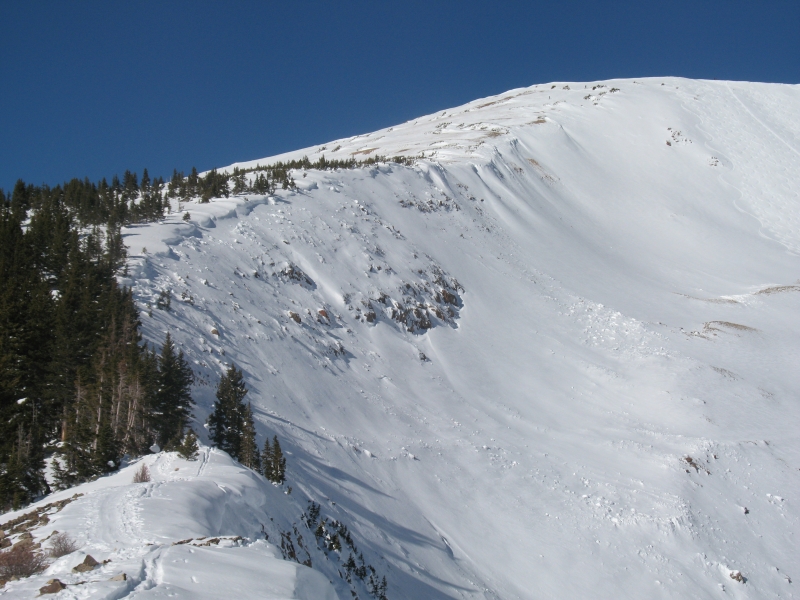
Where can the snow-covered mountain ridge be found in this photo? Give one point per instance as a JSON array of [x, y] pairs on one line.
[[555, 358]]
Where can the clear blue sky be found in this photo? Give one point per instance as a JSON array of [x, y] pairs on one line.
[[94, 88]]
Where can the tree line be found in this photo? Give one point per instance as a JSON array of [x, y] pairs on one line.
[[266, 179], [76, 383], [75, 379], [130, 199]]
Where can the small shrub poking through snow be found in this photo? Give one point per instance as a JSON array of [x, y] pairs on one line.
[[61, 545], [21, 561], [142, 475]]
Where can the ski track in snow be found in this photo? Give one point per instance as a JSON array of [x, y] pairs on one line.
[[605, 407]]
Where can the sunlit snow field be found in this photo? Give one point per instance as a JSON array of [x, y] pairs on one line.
[[607, 406]]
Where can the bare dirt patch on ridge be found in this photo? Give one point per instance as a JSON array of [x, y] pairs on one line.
[[715, 326], [777, 289]]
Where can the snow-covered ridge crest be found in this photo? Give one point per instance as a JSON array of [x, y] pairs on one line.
[[172, 536], [616, 387]]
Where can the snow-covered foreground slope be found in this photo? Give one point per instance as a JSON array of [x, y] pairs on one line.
[[161, 539], [557, 358]]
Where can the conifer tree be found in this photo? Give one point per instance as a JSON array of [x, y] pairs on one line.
[[278, 462], [144, 185], [174, 443], [173, 401], [266, 459], [188, 447], [213, 185], [20, 198], [261, 185], [191, 185], [130, 186], [248, 453], [22, 478], [226, 421], [239, 182], [105, 456], [273, 462]]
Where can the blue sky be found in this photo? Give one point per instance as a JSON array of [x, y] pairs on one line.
[[94, 88]]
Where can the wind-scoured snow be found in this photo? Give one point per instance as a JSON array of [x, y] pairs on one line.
[[555, 358]]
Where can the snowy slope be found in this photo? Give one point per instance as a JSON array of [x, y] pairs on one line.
[[557, 357], [164, 536]]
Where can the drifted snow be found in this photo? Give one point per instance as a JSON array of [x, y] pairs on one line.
[[618, 378]]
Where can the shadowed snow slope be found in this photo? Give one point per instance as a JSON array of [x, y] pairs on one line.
[[556, 358]]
